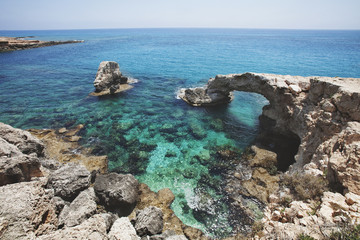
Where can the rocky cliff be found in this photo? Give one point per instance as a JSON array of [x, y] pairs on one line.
[[324, 113]]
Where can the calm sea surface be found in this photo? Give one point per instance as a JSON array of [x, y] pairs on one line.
[[147, 131]]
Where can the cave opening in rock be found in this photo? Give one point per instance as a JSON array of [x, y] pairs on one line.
[[283, 142]]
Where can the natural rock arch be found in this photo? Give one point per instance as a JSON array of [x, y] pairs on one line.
[[323, 112]]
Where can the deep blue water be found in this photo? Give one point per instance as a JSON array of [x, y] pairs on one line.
[[147, 131]]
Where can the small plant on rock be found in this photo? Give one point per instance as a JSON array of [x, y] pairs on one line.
[[305, 186]]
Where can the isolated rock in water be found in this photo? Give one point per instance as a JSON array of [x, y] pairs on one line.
[[26, 210], [79, 210], [23, 140], [122, 229], [109, 77], [69, 180], [118, 192], [95, 228], [149, 221]]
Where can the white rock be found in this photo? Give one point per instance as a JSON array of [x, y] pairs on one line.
[[122, 229]]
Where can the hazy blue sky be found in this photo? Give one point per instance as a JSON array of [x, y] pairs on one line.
[[79, 14]]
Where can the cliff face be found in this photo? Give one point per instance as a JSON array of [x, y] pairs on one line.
[[323, 112]]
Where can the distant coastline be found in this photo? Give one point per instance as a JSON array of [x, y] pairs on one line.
[[20, 43]]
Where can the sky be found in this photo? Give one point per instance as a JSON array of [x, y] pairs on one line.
[[92, 14]]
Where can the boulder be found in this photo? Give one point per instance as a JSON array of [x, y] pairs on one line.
[[26, 210], [18, 168], [19, 153], [69, 180], [117, 192], [122, 229], [83, 207], [149, 221], [108, 77], [22, 140]]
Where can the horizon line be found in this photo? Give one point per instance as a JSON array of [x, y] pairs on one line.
[[248, 28]]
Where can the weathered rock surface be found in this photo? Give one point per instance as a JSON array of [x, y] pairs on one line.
[[94, 228], [109, 79], [69, 180], [118, 192], [82, 208], [149, 221], [122, 229], [23, 140], [19, 152], [323, 112], [26, 210]]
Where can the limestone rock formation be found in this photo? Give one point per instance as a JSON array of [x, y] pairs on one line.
[[94, 228], [109, 79], [149, 221], [26, 210], [122, 229], [22, 140], [118, 192], [79, 210], [69, 180], [19, 152], [323, 112]]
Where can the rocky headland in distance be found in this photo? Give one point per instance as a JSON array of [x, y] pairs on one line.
[[20, 43]]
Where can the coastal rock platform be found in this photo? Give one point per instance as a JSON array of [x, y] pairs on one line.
[[20, 43]]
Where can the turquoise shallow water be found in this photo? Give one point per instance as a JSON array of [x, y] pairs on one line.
[[147, 131]]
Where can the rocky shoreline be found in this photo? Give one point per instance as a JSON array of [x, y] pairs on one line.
[[19, 43], [319, 194], [53, 189]]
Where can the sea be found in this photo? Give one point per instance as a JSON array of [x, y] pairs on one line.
[[148, 131]]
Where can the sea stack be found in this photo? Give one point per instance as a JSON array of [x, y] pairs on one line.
[[109, 79]]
